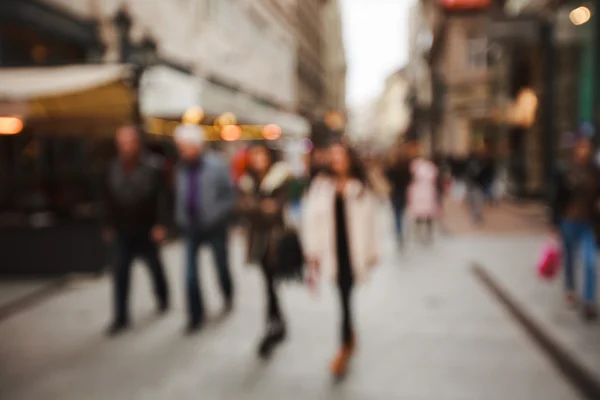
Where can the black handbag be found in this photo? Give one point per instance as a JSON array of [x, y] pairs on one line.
[[290, 257]]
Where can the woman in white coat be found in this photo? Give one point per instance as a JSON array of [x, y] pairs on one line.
[[340, 235]]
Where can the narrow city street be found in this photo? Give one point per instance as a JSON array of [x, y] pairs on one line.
[[427, 330]]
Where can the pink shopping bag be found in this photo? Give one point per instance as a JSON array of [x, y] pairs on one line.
[[549, 262]]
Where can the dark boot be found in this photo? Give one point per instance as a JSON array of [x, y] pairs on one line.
[[275, 334], [117, 328]]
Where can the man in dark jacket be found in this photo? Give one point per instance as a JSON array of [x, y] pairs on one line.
[[204, 201], [136, 212]]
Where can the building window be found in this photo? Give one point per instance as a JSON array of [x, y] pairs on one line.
[[477, 53]]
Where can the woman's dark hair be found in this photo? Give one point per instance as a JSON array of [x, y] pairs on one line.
[[272, 154], [357, 167]]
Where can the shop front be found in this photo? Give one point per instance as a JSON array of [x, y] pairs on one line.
[[49, 194]]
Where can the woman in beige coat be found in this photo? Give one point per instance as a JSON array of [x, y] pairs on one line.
[[340, 235]]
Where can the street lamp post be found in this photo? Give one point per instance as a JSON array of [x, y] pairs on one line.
[[140, 56]]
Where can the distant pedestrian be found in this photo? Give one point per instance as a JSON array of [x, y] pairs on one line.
[[205, 199], [263, 200], [574, 212], [477, 183], [136, 205], [340, 235], [423, 196], [399, 176]]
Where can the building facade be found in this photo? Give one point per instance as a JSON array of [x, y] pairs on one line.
[[236, 56], [310, 72], [423, 21], [460, 70], [392, 111], [335, 57]]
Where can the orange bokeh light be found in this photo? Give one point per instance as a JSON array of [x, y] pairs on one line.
[[272, 132], [10, 125], [231, 133]]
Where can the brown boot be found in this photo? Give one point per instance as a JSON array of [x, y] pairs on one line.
[[339, 365]]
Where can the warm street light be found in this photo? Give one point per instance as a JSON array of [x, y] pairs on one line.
[[193, 115], [10, 125], [580, 15], [226, 119], [231, 133], [271, 132]]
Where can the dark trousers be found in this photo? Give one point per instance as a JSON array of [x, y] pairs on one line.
[[217, 240], [129, 245], [345, 285], [273, 309]]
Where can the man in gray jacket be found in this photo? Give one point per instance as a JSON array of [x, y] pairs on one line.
[[204, 201]]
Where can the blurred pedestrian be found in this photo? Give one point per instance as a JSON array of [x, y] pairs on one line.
[[488, 176], [205, 199], [574, 212], [340, 235], [399, 176], [263, 200], [476, 183], [136, 207], [423, 196]]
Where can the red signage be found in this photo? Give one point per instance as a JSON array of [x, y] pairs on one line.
[[465, 4]]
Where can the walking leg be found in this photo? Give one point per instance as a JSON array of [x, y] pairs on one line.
[[218, 242], [194, 297], [150, 252], [124, 253]]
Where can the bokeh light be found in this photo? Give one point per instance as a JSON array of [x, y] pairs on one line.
[[580, 15], [272, 132], [231, 133], [10, 125]]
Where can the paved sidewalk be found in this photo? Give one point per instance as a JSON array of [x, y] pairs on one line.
[[511, 261], [503, 219], [15, 292], [427, 331]]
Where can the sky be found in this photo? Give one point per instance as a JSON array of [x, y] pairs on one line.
[[376, 43]]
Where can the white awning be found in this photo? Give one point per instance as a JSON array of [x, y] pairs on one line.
[[168, 93], [68, 100], [21, 84], [217, 100]]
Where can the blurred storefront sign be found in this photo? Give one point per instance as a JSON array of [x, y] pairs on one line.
[[465, 4]]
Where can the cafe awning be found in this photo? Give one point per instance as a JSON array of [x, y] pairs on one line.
[[68, 99], [216, 100]]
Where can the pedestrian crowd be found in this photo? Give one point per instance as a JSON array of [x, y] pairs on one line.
[[337, 235], [336, 238]]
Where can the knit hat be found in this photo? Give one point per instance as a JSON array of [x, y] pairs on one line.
[[189, 134]]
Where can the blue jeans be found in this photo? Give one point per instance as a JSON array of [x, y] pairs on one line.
[[576, 235], [217, 239], [129, 245]]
